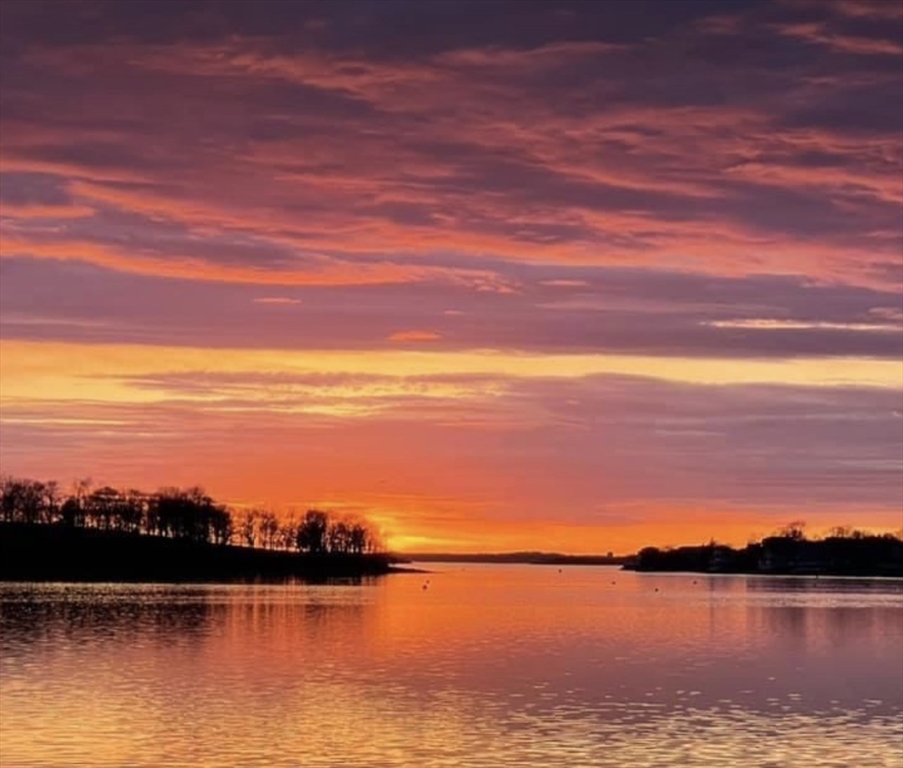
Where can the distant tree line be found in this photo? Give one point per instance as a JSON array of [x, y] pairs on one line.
[[843, 551], [185, 514]]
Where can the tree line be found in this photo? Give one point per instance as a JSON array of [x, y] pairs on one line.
[[185, 514], [843, 551]]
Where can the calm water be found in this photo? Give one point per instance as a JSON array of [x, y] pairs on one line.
[[490, 666]]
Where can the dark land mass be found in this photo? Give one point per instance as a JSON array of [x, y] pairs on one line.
[[56, 552], [855, 554], [527, 558], [108, 534]]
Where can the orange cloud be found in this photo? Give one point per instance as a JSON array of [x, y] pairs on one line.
[[277, 300], [414, 336]]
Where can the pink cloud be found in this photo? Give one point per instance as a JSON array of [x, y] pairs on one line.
[[416, 336], [818, 33], [277, 300]]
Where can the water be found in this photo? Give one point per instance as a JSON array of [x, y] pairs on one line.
[[489, 666]]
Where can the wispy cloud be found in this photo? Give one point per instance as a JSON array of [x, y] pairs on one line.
[[819, 34]]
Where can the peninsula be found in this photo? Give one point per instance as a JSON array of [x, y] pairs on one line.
[[107, 534]]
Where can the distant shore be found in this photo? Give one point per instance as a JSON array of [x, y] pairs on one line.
[[56, 552], [849, 554]]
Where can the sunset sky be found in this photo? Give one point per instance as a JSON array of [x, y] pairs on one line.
[[573, 276]]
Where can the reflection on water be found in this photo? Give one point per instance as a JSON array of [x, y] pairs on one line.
[[489, 666]]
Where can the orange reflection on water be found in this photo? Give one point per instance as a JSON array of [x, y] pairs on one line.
[[472, 665]]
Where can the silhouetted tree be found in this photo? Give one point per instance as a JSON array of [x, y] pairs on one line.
[[23, 500], [71, 512], [288, 533], [220, 525], [10, 498], [268, 525], [247, 528], [312, 532], [51, 501], [360, 539], [795, 530], [338, 537]]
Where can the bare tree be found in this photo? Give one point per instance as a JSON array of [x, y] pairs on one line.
[[795, 530], [268, 525], [247, 528]]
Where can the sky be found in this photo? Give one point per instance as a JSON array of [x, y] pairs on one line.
[[572, 276]]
